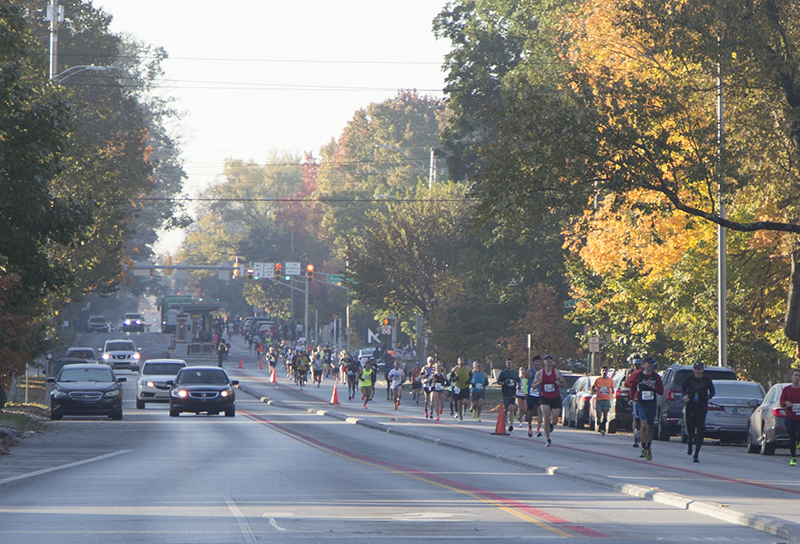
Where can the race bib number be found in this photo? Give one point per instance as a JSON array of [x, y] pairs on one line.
[[510, 383], [796, 408], [438, 386], [478, 387], [604, 389], [456, 390], [549, 388], [648, 395]]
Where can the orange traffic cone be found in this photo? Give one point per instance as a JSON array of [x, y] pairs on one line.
[[273, 378], [501, 422], [261, 363], [241, 363], [335, 397]]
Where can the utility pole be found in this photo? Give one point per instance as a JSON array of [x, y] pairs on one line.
[[55, 14], [722, 258]]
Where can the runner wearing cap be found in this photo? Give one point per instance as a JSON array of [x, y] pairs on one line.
[[479, 383], [603, 388], [508, 380], [697, 390], [644, 386], [427, 386]]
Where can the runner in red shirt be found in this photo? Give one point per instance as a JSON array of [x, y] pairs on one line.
[[790, 401]]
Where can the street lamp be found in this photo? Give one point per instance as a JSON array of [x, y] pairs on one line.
[[79, 69]]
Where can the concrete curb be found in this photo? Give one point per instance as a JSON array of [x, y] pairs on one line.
[[767, 524]]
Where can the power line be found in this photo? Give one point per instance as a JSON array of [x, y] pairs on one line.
[[289, 199]]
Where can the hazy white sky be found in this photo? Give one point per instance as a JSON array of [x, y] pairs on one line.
[[254, 76]]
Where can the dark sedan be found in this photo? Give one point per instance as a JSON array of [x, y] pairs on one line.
[[202, 389], [766, 430], [86, 390]]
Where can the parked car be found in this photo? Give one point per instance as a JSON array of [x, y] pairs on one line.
[[133, 322], [86, 390], [729, 411], [765, 430], [364, 354], [153, 377], [86, 353], [670, 404], [121, 354], [577, 405], [202, 389], [98, 323]]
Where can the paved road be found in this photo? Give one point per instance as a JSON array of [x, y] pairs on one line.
[[292, 468]]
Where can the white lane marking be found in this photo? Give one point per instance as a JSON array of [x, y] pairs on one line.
[[275, 524], [62, 467], [244, 527]]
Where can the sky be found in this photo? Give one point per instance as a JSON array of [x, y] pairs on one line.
[[252, 77]]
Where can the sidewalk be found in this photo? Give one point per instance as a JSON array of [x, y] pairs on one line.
[[756, 507]]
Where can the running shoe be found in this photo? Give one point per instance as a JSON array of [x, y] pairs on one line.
[[549, 442], [538, 433], [478, 419], [510, 428], [602, 432], [437, 418], [521, 424], [426, 414], [643, 454], [793, 462], [365, 406], [649, 455], [689, 449], [695, 460], [460, 419], [636, 444], [395, 407], [530, 432]]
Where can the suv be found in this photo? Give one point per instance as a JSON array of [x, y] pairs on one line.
[[98, 323], [86, 353], [133, 323], [121, 354], [670, 404]]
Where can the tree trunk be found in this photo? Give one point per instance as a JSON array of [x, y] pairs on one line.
[[791, 326]]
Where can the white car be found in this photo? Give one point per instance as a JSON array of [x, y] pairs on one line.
[[153, 376], [121, 354]]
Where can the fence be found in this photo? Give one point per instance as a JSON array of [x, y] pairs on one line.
[[36, 388]]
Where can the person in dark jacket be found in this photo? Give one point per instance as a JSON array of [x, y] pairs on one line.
[[697, 390]]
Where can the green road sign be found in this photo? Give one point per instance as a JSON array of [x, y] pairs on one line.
[[335, 278]]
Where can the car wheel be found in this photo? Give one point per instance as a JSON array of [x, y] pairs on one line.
[[213, 413], [612, 426], [684, 436], [752, 445], [116, 416], [140, 404], [174, 413], [662, 430], [580, 422], [55, 416], [767, 448], [230, 412]]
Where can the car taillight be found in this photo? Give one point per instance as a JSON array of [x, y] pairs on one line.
[[619, 394], [715, 407], [587, 397], [778, 412], [674, 394]]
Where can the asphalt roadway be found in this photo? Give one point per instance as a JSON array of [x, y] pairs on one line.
[[728, 484]]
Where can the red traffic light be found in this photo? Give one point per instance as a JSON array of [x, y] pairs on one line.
[[310, 267]]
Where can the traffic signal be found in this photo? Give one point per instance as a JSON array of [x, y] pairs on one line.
[[278, 272], [385, 321], [309, 273], [249, 273]]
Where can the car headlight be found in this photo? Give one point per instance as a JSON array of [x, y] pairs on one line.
[[179, 393], [223, 394], [137, 355], [106, 356], [150, 384], [57, 394], [112, 394]]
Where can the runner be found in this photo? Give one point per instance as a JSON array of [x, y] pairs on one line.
[[644, 385], [461, 380], [367, 379], [317, 367], [532, 402], [603, 388], [790, 400], [301, 368], [636, 424], [697, 390], [427, 386], [551, 381], [438, 385], [352, 371], [522, 393], [396, 377], [416, 382], [479, 383], [508, 380]]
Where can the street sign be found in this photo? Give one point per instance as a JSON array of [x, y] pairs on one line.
[[335, 278], [594, 344], [292, 268], [258, 270], [570, 303], [372, 337], [269, 271], [386, 329]]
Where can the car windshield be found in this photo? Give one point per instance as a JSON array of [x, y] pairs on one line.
[[97, 319], [99, 374], [120, 346], [164, 369], [85, 353], [738, 390], [215, 377]]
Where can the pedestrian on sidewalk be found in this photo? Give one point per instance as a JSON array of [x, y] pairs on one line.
[[790, 401]]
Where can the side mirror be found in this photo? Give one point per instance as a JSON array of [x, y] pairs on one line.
[[754, 403], [51, 380], [570, 391], [122, 379], [170, 382], [234, 382]]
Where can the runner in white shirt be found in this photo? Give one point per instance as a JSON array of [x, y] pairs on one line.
[[397, 377]]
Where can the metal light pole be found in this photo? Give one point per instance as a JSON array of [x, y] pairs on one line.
[[722, 260]]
